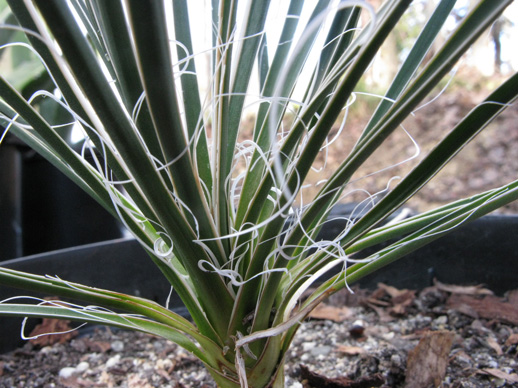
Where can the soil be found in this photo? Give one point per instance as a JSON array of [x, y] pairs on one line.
[[443, 336]]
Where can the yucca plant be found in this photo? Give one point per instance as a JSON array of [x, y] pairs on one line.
[[220, 210]]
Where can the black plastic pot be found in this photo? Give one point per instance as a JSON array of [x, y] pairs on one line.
[[482, 252], [41, 210], [10, 199], [56, 213]]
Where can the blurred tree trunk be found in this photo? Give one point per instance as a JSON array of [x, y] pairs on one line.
[[496, 32], [386, 64]]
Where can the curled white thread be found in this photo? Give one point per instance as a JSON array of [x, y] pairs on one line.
[[86, 311], [235, 277], [161, 248]]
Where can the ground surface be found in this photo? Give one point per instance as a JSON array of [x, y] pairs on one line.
[[381, 338]]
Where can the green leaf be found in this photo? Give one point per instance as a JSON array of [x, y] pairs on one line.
[[453, 143], [413, 61]]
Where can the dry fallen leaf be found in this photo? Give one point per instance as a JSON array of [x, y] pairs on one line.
[[62, 328], [490, 307], [508, 377], [78, 382], [512, 340], [399, 299], [336, 314], [427, 362], [382, 314], [512, 296], [401, 303], [466, 290], [393, 292], [494, 345], [350, 350], [46, 329]]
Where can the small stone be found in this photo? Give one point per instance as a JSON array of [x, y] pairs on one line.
[[389, 336], [395, 360], [67, 372], [47, 350], [112, 361], [117, 346], [498, 382], [321, 350], [478, 326], [158, 346], [440, 322], [164, 364], [357, 328], [82, 367], [307, 346]]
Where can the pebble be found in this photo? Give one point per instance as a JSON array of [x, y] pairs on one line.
[[112, 361], [308, 346], [388, 336], [396, 361], [82, 367], [321, 350], [47, 350], [357, 328], [164, 364], [67, 372], [117, 346]]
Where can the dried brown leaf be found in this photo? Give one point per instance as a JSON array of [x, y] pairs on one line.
[[511, 340], [50, 326], [508, 377], [494, 345], [427, 362], [336, 314], [350, 350], [490, 307], [393, 292], [405, 298], [399, 299], [76, 382], [512, 297], [465, 290], [384, 316], [377, 302]]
